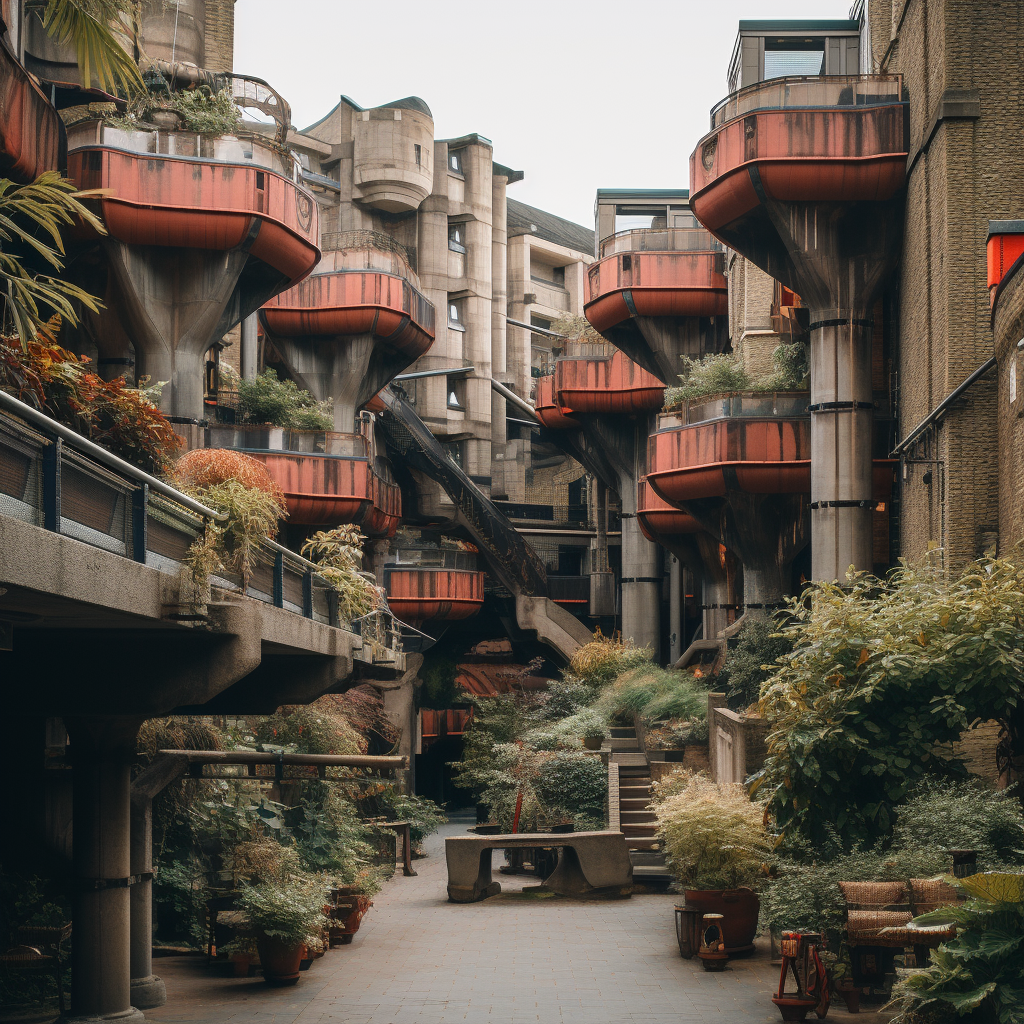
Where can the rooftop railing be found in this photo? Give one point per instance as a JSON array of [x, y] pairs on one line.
[[52, 477], [432, 558], [660, 240], [260, 437], [809, 92], [738, 405]]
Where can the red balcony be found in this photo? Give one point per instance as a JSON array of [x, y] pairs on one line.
[[754, 442], [336, 303], [1004, 248], [183, 191], [657, 518], [327, 478], [548, 410], [833, 138], [418, 594], [598, 379], [32, 138]]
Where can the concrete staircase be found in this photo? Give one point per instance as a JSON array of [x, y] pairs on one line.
[[636, 820]]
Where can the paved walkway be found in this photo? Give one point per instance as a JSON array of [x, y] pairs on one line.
[[418, 959]]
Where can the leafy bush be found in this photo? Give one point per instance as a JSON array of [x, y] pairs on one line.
[[574, 786], [884, 675], [977, 976], [339, 554], [564, 697], [282, 403], [439, 671], [207, 112], [181, 890], [423, 815], [715, 838], [291, 909], [655, 693], [598, 662], [751, 662], [721, 374]]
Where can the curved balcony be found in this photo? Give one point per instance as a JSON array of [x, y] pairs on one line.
[[658, 305], [327, 478], [32, 138], [598, 379], [187, 191], [759, 443], [429, 583], [830, 138], [548, 410], [657, 518]]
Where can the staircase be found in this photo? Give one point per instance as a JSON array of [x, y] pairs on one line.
[[636, 820]]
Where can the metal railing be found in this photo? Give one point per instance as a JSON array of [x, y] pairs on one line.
[[52, 477], [740, 405], [809, 91], [660, 240], [432, 558]]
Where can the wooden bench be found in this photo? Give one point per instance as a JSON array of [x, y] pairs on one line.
[[589, 864]]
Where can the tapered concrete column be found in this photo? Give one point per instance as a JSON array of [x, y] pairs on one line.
[[102, 753], [248, 350], [841, 416], [147, 990], [675, 610], [641, 587], [763, 589]]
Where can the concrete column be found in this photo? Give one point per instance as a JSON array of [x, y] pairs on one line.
[[499, 301], [102, 753], [763, 589], [147, 990], [675, 610], [248, 352], [641, 587], [841, 417]]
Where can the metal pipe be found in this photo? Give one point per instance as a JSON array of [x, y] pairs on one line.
[[38, 419], [538, 330], [511, 396], [943, 406], [433, 373]]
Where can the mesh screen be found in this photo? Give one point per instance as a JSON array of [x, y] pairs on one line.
[[21, 493], [94, 502]]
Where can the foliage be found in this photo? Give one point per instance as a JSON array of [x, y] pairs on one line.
[[265, 399], [750, 663], [208, 113], [716, 374], [564, 697], [317, 728], [439, 672], [181, 890], [979, 975], [576, 328], [655, 693], [715, 838], [239, 487], [598, 662], [31, 248], [423, 815], [84, 24], [883, 677], [58, 383], [572, 785], [338, 553], [290, 909]]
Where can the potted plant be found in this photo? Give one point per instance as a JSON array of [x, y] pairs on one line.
[[242, 953], [716, 845], [285, 914], [351, 903]]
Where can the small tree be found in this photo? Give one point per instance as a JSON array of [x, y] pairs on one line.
[[882, 678]]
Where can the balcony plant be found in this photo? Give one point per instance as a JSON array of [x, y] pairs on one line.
[[280, 403], [286, 914], [717, 846], [339, 554]]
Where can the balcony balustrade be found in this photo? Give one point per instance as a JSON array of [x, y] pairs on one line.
[[426, 584]]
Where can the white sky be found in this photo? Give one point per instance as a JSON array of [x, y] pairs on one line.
[[578, 95]]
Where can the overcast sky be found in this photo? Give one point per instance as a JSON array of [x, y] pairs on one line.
[[579, 96]]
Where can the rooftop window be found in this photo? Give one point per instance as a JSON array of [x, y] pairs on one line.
[[455, 161], [793, 57]]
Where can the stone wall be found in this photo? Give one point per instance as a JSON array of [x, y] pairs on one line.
[[220, 35]]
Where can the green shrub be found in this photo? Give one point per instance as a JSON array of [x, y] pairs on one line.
[[655, 693], [208, 113], [751, 662], [281, 403], [291, 910], [181, 891], [423, 815], [573, 785], [598, 663], [722, 374]]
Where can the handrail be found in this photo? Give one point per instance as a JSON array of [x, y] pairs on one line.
[[44, 422], [293, 556], [668, 234]]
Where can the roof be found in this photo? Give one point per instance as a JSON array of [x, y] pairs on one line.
[[501, 169], [409, 103], [796, 25], [528, 220], [643, 193]]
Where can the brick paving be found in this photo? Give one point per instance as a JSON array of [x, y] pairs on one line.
[[418, 959]]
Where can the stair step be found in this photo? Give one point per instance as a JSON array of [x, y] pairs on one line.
[[647, 858], [619, 733], [639, 817], [625, 743], [643, 843], [638, 831], [633, 803], [629, 759]]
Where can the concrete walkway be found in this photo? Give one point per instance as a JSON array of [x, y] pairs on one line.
[[418, 959]]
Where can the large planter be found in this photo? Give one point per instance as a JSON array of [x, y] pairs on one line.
[[279, 960], [593, 742], [738, 907], [349, 910]]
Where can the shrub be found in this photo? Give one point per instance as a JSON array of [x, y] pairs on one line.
[[207, 112], [721, 374], [208, 467], [884, 675], [598, 662], [291, 910], [751, 663], [338, 553], [573, 785], [281, 403], [423, 815], [655, 693], [715, 838]]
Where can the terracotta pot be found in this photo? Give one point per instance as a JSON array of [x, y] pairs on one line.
[[280, 961], [593, 742], [851, 996], [349, 912], [240, 964], [738, 907]]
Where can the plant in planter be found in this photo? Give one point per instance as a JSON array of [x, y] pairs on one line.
[[351, 902], [242, 952], [717, 846], [286, 914]]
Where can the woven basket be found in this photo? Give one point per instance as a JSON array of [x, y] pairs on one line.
[[863, 926], [874, 894], [928, 894]]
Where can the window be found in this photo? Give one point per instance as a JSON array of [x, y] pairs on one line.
[[455, 317], [790, 56], [454, 451], [455, 160], [418, 150], [558, 276], [456, 392], [456, 238], [630, 218]]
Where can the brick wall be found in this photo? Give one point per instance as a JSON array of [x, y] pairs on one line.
[[220, 35]]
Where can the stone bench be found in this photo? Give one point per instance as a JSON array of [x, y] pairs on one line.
[[589, 864]]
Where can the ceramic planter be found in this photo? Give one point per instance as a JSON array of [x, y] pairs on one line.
[[739, 909], [280, 960], [593, 742]]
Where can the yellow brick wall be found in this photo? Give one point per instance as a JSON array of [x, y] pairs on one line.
[[220, 35]]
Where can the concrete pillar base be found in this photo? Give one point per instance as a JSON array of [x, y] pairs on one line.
[[148, 992], [129, 1016]]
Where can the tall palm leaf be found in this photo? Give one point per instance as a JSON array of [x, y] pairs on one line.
[[31, 218], [84, 24]]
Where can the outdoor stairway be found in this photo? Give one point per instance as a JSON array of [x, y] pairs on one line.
[[636, 819]]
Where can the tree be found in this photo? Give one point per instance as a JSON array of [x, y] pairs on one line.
[[884, 675]]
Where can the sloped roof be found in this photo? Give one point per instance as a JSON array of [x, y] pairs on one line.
[[528, 220]]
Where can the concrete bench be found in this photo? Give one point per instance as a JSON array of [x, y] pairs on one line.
[[589, 864]]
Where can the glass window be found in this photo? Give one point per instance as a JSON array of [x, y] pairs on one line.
[[456, 238], [453, 313], [630, 218], [793, 57], [455, 160], [419, 154]]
